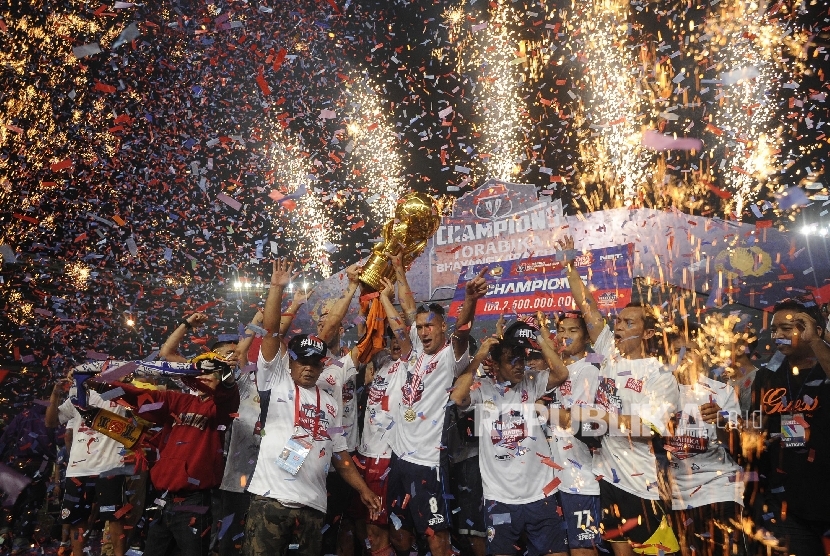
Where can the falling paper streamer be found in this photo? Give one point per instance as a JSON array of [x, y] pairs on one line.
[[129, 33], [9, 256], [226, 523], [12, 484], [659, 142], [131, 245], [86, 50], [230, 201], [732, 77]]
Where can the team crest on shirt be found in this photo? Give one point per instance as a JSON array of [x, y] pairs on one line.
[[377, 390], [412, 393], [348, 392], [565, 388], [308, 418], [607, 396], [508, 432], [331, 380]]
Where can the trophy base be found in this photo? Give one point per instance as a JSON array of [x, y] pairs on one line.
[[375, 269]]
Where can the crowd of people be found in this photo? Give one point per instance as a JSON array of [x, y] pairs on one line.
[[573, 433]]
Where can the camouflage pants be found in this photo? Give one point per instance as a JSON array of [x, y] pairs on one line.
[[271, 528]]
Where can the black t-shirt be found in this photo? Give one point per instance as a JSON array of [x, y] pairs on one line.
[[793, 469]]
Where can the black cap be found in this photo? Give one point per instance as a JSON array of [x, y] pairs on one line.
[[211, 362], [307, 346], [521, 334]]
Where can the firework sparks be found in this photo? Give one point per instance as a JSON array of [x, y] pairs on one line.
[[377, 160], [78, 272], [614, 156], [310, 228], [500, 108], [747, 46]]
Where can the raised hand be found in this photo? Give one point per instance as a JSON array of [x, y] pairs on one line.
[[477, 287], [281, 273], [397, 259], [566, 245], [388, 288], [807, 327], [197, 319], [486, 344], [301, 296], [353, 273]]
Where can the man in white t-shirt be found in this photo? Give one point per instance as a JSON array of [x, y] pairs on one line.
[[301, 437], [374, 451], [707, 491], [417, 484], [637, 395], [96, 469], [579, 491], [514, 455]]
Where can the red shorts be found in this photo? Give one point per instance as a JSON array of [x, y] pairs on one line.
[[375, 472]]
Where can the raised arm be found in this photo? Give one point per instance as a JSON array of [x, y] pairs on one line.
[[405, 297], [558, 370], [244, 344], [362, 313], [52, 419], [475, 289], [170, 349], [299, 299], [338, 310], [272, 341], [583, 297], [461, 389], [396, 323]]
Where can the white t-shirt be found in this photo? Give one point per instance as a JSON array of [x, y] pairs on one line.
[[573, 455], [378, 421], [702, 470], [426, 392], [638, 387], [338, 381], [512, 442], [243, 448], [93, 453], [308, 486]]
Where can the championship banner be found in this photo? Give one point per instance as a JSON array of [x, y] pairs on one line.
[[499, 221], [541, 283]]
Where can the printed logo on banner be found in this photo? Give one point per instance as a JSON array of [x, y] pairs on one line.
[[493, 202], [607, 299]]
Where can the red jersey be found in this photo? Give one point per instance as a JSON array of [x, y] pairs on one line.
[[192, 440]]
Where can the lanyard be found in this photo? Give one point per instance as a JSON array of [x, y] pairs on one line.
[[297, 411]]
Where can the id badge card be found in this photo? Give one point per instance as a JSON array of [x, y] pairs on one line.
[[294, 453], [792, 431]]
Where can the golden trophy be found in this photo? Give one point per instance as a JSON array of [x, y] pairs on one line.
[[416, 220]]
